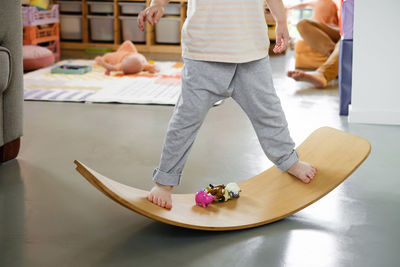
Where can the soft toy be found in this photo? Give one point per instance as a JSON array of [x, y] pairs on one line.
[[222, 192], [233, 190], [217, 191], [203, 199]]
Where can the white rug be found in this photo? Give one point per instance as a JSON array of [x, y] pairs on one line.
[[144, 88]]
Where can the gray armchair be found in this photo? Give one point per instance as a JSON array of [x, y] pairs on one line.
[[11, 78]]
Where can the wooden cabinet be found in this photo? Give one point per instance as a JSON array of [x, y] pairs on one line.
[[149, 46]]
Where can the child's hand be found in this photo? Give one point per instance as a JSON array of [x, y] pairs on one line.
[[282, 38], [152, 14]]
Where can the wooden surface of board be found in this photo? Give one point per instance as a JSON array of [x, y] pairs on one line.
[[265, 198]]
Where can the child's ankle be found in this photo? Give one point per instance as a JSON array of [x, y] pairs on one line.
[[165, 187]]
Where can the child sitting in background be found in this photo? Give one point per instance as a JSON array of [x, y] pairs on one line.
[[126, 59], [322, 33]]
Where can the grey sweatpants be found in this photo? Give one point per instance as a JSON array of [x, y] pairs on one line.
[[203, 84]]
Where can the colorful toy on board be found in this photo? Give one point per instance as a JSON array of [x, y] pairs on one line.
[[233, 190], [216, 190], [203, 199], [223, 193], [218, 193]]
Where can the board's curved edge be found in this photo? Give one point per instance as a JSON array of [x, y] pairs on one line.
[[89, 175]]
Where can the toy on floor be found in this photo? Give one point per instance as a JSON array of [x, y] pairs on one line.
[[71, 69], [126, 59], [203, 199]]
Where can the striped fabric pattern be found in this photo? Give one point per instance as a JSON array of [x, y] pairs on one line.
[[231, 31]]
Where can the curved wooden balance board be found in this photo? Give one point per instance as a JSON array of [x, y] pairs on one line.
[[265, 198]]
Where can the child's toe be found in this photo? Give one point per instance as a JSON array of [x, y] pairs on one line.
[[163, 203]]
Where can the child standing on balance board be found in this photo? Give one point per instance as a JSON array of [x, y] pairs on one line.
[[225, 52]]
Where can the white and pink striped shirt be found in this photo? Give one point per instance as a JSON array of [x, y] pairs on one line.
[[232, 31]]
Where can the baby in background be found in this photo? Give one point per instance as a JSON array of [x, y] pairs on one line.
[[126, 59]]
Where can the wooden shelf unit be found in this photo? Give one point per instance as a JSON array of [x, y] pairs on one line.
[[150, 44]]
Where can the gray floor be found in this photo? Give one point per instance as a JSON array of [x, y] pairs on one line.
[[51, 216]]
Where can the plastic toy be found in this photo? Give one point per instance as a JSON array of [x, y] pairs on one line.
[[71, 69], [203, 199], [233, 190], [217, 191], [223, 193]]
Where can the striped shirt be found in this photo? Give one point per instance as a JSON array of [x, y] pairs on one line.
[[232, 31]]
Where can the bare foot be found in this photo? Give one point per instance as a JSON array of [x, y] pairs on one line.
[[316, 78], [161, 195], [303, 170]]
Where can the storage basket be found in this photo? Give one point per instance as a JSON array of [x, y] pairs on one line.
[[31, 16], [172, 9], [168, 30], [130, 30], [37, 34], [71, 27], [70, 6], [101, 7], [132, 8], [101, 28]]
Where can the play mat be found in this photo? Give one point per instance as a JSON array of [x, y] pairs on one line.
[[95, 86]]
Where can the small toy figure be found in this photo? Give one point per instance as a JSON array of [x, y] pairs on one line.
[[222, 192], [203, 199], [217, 191], [233, 190]]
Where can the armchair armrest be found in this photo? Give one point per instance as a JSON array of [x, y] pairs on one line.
[[5, 70]]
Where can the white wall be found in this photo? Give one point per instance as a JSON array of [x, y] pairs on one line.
[[376, 62]]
